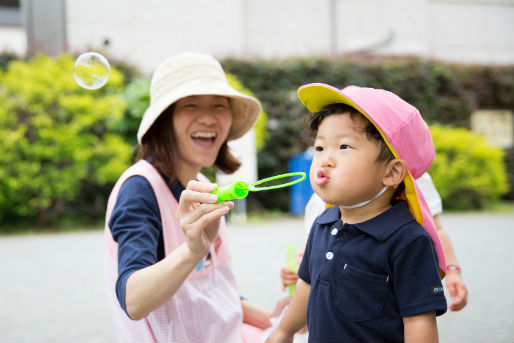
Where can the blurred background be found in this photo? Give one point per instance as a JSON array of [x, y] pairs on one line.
[[63, 147]]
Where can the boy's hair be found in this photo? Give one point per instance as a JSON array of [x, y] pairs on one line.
[[159, 144], [371, 131], [385, 154]]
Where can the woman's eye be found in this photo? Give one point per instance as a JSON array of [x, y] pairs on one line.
[[222, 106], [344, 147]]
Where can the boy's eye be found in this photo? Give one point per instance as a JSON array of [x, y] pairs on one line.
[[344, 147], [318, 148]]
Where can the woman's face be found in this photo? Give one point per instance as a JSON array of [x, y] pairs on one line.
[[201, 124]]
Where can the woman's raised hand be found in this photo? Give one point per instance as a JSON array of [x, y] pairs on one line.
[[199, 215]]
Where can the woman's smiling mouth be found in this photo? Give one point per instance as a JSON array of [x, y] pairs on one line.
[[204, 138]]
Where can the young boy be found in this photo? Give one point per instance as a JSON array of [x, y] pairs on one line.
[[370, 272]]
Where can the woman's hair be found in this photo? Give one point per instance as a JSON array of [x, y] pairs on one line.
[[371, 131], [160, 146]]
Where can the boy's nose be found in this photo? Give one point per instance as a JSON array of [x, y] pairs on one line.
[[328, 162]]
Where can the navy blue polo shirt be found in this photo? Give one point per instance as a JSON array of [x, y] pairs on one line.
[[365, 277]]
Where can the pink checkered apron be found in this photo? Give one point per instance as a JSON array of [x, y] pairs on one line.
[[206, 308]]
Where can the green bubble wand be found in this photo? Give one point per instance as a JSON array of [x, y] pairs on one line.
[[240, 189]]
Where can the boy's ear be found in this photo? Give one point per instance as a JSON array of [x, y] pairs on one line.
[[395, 172]]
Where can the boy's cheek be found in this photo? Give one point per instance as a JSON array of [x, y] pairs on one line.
[[312, 171]]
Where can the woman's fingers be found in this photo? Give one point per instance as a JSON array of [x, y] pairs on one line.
[[197, 213], [204, 215], [198, 186], [208, 218], [197, 192], [279, 307], [188, 198], [200, 234]]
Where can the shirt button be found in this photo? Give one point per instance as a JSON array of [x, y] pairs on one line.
[[329, 255], [334, 231]]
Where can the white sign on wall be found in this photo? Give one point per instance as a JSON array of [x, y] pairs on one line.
[[496, 125]]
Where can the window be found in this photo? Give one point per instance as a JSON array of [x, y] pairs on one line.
[[10, 13]]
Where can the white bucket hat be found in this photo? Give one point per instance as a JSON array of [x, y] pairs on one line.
[[187, 74]]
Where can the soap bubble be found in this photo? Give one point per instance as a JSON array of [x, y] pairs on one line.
[[91, 70]]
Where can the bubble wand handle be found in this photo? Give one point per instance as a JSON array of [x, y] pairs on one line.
[[236, 190], [291, 265], [240, 189]]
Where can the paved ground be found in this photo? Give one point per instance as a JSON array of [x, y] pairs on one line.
[[51, 286]]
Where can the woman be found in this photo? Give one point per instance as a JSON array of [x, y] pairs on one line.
[[167, 262]]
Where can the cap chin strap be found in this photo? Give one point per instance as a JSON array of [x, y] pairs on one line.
[[367, 201]]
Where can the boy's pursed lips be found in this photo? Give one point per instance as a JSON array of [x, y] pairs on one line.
[[321, 178]]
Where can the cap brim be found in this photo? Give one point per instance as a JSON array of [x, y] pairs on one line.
[[315, 96]]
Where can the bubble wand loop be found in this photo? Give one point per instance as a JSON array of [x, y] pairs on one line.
[[240, 189]]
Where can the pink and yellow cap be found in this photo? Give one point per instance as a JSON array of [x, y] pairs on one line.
[[402, 128]]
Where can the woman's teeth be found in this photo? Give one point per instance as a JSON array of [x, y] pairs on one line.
[[205, 139], [204, 135]]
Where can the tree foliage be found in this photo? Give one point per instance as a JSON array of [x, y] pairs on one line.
[[56, 137]]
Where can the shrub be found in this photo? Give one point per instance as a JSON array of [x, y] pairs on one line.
[[261, 131], [467, 171], [137, 97], [56, 137], [445, 93]]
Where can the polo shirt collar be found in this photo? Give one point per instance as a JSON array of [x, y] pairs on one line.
[[380, 227]]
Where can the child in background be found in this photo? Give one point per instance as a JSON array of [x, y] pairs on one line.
[[370, 269], [457, 290]]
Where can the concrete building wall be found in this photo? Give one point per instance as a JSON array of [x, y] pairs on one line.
[[476, 32], [146, 32]]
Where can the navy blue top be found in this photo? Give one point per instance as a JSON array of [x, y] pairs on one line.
[[365, 277], [135, 224]]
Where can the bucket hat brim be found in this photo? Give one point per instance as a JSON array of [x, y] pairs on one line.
[[191, 74]]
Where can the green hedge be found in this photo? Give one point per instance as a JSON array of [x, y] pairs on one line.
[[63, 146], [443, 92], [57, 139], [467, 171]]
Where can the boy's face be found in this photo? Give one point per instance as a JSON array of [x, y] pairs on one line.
[[344, 169]]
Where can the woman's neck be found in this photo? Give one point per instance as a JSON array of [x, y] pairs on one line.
[[186, 174]]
